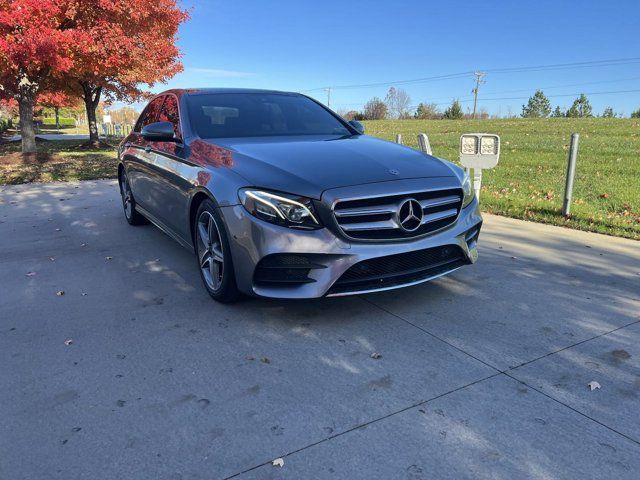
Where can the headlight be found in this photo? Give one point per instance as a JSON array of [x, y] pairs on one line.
[[467, 188], [281, 209]]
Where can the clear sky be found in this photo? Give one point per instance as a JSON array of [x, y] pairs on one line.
[[302, 45]]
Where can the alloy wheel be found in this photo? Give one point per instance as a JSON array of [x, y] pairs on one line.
[[127, 197], [210, 253]]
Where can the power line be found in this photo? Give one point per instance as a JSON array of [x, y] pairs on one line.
[[556, 66], [398, 82]]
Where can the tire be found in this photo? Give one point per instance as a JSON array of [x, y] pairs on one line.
[[213, 254], [132, 216]]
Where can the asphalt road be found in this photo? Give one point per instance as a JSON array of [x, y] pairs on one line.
[[134, 373]]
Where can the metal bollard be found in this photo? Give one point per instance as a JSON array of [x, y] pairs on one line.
[[399, 138], [423, 142], [571, 172]]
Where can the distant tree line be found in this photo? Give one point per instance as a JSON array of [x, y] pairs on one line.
[[397, 105]]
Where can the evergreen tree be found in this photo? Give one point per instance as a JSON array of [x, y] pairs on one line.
[[454, 112], [537, 107], [608, 113], [557, 113], [581, 108], [427, 110]]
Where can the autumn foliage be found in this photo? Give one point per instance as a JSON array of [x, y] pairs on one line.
[[86, 48]]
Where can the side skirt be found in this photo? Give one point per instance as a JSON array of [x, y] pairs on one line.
[[165, 229]]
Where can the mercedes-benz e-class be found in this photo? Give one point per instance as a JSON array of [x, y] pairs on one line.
[[278, 196]]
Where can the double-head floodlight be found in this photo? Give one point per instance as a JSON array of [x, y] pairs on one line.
[[479, 150]]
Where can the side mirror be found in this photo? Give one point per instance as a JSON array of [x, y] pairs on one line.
[[159, 132], [357, 125]]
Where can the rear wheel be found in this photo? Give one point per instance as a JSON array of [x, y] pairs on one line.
[[213, 254], [129, 203]]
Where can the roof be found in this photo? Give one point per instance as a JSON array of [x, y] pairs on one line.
[[200, 91]]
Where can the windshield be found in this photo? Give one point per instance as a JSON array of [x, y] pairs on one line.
[[224, 115]]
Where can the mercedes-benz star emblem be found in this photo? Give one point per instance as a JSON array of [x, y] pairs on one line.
[[410, 215]]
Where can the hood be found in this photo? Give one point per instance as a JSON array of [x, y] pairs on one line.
[[309, 165]]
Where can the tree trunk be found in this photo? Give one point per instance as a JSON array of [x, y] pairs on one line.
[[91, 100], [27, 130], [57, 110]]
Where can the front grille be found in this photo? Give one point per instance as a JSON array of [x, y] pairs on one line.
[[399, 269], [285, 269], [377, 218]]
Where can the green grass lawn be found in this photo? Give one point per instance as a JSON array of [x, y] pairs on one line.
[[56, 161], [528, 182]]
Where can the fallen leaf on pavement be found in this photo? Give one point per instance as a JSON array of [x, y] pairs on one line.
[[68, 342], [30, 274], [265, 360], [60, 293], [278, 462], [53, 259], [593, 385], [108, 258], [376, 356], [83, 294]]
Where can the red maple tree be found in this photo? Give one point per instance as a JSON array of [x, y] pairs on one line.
[[35, 44], [86, 48], [128, 44]]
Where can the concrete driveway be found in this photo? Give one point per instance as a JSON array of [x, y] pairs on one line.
[[134, 373]]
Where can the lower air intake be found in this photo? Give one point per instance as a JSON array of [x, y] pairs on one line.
[[400, 269], [285, 269]]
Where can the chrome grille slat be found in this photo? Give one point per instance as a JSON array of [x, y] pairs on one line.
[[437, 202], [354, 212], [434, 217], [377, 218], [380, 225]]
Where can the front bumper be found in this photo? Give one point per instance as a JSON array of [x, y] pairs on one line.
[[252, 240]]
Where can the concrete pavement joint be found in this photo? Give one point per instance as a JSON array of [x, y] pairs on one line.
[[571, 346], [507, 374], [571, 408], [431, 334], [362, 425]]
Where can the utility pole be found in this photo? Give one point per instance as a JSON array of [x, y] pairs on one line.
[[479, 80], [328, 90]]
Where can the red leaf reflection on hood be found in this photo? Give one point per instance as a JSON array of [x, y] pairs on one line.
[[206, 154]]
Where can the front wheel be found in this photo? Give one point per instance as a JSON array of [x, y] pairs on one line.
[[214, 254]]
